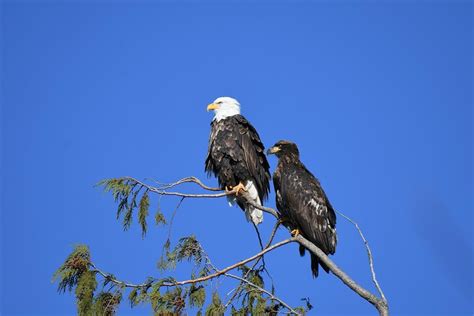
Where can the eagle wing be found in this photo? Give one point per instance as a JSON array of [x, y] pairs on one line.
[[254, 153], [301, 199], [210, 166], [238, 141]]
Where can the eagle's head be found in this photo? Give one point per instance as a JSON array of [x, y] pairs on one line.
[[284, 148], [224, 107]]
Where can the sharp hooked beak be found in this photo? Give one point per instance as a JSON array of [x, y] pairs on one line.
[[212, 106], [273, 150]]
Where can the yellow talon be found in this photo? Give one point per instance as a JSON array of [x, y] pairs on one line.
[[295, 232], [239, 187]]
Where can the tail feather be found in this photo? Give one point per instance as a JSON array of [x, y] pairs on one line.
[[254, 214], [302, 250], [314, 266], [251, 213], [315, 263], [231, 200]]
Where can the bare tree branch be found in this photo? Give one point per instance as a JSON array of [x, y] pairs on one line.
[[196, 280], [166, 186], [237, 289], [369, 254], [109, 277], [191, 195], [380, 304], [235, 265], [260, 243], [173, 216], [244, 279]]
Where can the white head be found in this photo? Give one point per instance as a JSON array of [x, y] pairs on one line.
[[224, 107]]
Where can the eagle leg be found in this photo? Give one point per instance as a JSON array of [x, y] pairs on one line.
[[283, 220], [239, 187], [295, 232]]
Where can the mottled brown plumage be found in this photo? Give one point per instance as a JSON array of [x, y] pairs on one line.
[[302, 202]]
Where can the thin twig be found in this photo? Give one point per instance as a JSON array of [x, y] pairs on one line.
[[117, 291], [235, 265], [197, 280], [191, 195], [114, 280], [369, 254], [173, 216], [264, 266], [259, 241], [380, 304], [187, 180], [237, 289], [244, 279], [272, 297]]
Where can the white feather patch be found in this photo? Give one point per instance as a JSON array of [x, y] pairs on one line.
[[253, 214], [316, 206], [225, 113], [231, 200]]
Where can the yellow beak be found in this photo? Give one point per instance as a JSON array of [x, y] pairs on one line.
[[273, 150], [212, 106]]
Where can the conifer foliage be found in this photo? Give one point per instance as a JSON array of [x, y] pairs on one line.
[[100, 293]]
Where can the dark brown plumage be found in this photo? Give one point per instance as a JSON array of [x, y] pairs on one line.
[[236, 154], [302, 202]]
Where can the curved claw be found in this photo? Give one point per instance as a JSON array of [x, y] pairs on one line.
[[236, 190], [295, 232]]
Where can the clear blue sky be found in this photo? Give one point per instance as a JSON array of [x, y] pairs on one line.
[[377, 96]]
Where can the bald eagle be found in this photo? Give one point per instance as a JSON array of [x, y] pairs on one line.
[[236, 156], [302, 202]]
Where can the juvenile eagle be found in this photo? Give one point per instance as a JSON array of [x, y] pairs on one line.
[[236, 156], [302, 202]]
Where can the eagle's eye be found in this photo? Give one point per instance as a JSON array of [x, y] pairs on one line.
[[219, 102]]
